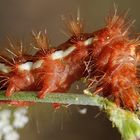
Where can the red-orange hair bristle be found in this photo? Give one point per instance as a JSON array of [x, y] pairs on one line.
[[74, 25], [41, 40], [119, 23]]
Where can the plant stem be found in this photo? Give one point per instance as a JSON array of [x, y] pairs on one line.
[[63, 98], [127, 122]]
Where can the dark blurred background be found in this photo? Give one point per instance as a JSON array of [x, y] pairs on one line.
[[18, 19]]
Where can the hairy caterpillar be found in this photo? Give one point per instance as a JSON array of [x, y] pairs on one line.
[[115, 61], [108, 58], [50, 69]]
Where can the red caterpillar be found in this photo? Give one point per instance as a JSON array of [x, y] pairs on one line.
[[50, 69], [115, 60], [109, 54]]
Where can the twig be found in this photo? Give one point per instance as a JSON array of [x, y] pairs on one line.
[[127, 122]]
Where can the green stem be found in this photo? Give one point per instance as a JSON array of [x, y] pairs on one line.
[[127, 122], [63, 98]]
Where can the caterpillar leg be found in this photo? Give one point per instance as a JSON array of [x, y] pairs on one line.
[[130, 99], [10, 89], [48, 84], [44, 92], [117, 99], [49, 87]]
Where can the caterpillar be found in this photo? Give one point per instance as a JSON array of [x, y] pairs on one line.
[[115, 62], [107, 58]]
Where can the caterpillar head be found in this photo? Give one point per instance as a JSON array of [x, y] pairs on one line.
[[117, 28]]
